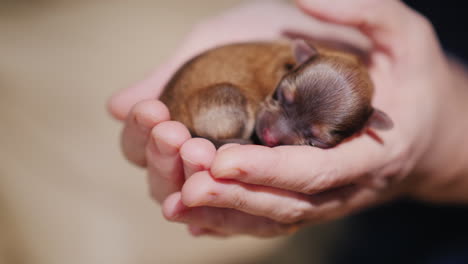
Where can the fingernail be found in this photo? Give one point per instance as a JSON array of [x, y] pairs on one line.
[[204, 199], [229, 174], [175, 210], [191, 167], [176, 215], [165, 148], [192, 164]]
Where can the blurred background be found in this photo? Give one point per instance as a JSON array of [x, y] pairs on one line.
[[66, 193]]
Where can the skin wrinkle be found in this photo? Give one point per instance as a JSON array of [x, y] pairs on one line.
[[288, 214], [322, 181], [238, 201], [298, 211]]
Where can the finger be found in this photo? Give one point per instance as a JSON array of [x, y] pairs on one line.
[[142, 118], [197, 155], [388, 23], [222, 220], [165, 168], [279, 205], [306, 169]]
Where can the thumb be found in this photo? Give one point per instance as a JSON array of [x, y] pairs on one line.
[[388, 23]]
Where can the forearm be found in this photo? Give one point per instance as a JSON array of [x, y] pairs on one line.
[[446, 163]]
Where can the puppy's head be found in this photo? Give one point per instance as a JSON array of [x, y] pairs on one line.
[[324, 100]]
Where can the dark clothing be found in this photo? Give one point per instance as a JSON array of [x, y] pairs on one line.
[[407, 231], [450, 20]]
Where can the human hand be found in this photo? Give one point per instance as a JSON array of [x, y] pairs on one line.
[[164, 147], [287, 185]]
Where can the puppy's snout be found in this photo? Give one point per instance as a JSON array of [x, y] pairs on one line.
[[269, 138]]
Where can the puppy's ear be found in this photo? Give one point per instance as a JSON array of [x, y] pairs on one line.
[[380, 120], [303, 51]]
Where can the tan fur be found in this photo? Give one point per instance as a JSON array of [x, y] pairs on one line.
[[217, 94]]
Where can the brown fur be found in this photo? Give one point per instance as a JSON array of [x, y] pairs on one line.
[[227, 92], [217, 94], [326, 99]]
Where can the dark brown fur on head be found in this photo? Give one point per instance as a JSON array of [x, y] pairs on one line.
[[324, 100]]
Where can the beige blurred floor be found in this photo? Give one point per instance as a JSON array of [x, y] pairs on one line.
[[66, 193]]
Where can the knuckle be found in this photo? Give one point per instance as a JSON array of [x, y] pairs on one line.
[[291, 215], [322, 181], [236, 199], [399, 165], [269, 179], [239, 202]]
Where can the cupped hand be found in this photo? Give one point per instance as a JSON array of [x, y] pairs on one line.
[[269, 191], [150, 139]]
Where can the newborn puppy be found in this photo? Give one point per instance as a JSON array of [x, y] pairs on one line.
[[217, 94], [324, 100]]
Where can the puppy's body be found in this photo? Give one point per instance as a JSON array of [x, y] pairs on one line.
[[218, 93], [228, 92]]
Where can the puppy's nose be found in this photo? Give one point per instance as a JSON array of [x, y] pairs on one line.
[[269, 138]]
